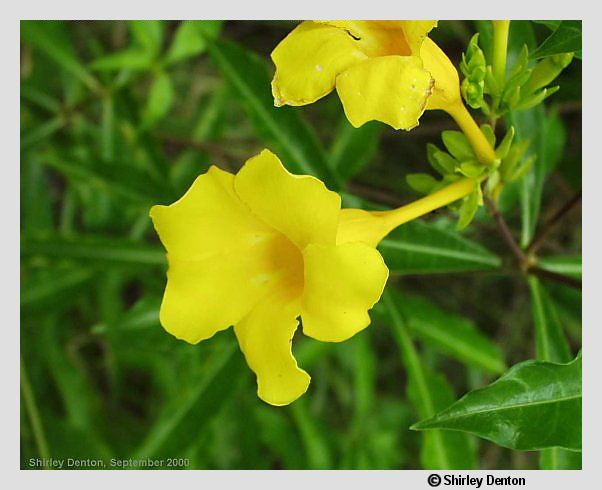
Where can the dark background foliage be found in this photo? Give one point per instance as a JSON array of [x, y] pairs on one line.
[[117, 116]]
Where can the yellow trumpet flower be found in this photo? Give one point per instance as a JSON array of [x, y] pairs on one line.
[[388, 71], [256, 250]]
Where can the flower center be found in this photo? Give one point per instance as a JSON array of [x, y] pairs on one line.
[[381, 41], [286, 265]]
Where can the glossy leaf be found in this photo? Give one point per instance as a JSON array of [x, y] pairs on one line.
[[566, 38], [422, 248], [509, 411], [295, 142], [550, 345]]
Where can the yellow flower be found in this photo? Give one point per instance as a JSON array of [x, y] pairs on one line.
[[256, 250], [388, 71]]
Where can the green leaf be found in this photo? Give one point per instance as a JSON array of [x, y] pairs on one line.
[[565, 39], [148, 34], [550, 24], [118, 179], [550, 342], [52, 38], [441, 161], [548, 137], [294, 141], [429, 392], [142, 316], [31, 137], [457, 144], [535, 405], [422, 183], [318, 452], [134, 59], [557, 458], [569, 265], [453, 335], [78, 395], [190, 39], [42, 292], [504, 147], [183, 419], [353, 148], [469, 208], [422, 248], [99, 250], [160, 100], [108, 129], [551, 345]]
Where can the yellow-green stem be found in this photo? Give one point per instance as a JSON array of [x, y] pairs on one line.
[[500, 49], [372, 226], [483, 150], [459, 189]]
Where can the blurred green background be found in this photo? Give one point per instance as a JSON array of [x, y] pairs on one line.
[[117, 116]]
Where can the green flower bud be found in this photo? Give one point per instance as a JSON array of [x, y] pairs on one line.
[[546, 71]]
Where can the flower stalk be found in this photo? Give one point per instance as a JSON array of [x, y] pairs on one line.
[[500, 49], [441, 198], [483, 150]]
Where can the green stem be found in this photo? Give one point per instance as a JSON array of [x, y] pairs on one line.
[[500, 49], [34, 416]]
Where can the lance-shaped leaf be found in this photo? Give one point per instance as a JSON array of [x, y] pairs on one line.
[[422, 248], [551, 344], [565, 264], [565, 39], [428, 391], [453, 335], [535, 405]]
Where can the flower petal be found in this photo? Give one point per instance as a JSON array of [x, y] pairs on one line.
[[204, 220], [386, 37], [265, 337], [390, 89], [358, 225], [416, 31], [300, 207], [446, 90], [341, 284], [308, 61], [375, 37], [221, 258]]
